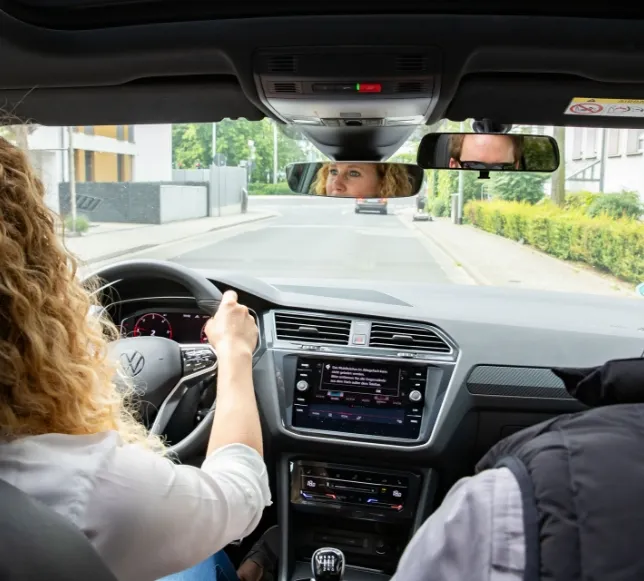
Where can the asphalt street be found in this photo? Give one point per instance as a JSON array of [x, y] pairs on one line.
[[322, 238]]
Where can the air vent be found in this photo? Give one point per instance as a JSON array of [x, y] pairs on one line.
[[312, 328], [412, 63], [286, 87], [283, 63], [406, 337], [411, 87]]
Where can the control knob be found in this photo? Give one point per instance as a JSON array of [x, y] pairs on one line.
[[415, 396], [302, 385]]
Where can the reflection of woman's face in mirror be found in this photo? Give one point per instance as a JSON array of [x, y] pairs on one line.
[[353, 180]]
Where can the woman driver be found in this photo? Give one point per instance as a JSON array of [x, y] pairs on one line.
[[363, 180], [68, 437]]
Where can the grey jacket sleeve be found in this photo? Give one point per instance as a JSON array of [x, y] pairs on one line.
[[475, 535]]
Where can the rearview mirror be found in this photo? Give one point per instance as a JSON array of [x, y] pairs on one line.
[[355, 179], [488, 152]]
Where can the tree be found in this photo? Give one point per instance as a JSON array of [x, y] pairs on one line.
[[192, 144], [559, 177], [517, 187]]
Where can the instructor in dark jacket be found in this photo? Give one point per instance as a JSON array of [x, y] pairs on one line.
[[559, 501]]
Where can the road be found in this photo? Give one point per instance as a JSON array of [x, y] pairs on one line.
[[321, 238]]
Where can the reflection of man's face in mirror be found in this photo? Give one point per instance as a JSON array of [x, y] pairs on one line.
[[353, 180], [484, 149]]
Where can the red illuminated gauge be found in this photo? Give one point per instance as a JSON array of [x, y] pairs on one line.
[[153, 325], [204, 337]]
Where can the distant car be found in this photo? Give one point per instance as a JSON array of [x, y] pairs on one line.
[[371, 205], [422, 217]]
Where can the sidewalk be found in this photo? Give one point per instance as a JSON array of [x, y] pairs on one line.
[[497, 261], [107, 240]]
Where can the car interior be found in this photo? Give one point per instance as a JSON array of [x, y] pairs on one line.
[[463, 367]]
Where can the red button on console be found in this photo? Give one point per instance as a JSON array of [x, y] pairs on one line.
[[369, 88]]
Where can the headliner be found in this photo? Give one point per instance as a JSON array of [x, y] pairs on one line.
[[513, 69]]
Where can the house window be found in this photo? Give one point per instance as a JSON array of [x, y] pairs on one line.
[[88, 129], [577, 142], [120, 167], [633, 141], [590, 150], [89, 166], [120, 132], [613, 142], [130, 133]]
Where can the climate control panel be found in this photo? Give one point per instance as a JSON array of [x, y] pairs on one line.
[[363, 492]]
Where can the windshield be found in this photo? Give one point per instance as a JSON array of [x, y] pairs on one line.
[[214, 196]]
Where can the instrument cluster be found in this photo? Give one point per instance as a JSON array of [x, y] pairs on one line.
[[180, 325]]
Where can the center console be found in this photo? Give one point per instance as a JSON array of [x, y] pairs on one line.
[[337, 401], [367, 513]]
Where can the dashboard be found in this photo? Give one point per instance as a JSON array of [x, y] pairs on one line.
[[403, 366], [374, 401]]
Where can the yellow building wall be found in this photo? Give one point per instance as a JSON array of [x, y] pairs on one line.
[[105, 165], [128, 163], [79, 165], [105, 169], [105, 131]]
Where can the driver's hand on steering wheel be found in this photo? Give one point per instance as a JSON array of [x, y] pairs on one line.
[[232, 327]]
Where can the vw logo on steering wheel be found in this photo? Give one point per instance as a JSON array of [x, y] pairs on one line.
[[132, 363]]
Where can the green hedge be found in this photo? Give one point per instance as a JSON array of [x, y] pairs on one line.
[[259, 189], [615, 246]]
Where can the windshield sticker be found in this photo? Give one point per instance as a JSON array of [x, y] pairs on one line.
[[606, 107]]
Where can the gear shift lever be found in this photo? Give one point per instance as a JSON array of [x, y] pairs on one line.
[[327, 564]]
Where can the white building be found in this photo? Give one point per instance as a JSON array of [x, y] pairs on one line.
[[608, 160], [114, 153]]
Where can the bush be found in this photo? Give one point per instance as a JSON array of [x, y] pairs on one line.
[[621, 205], [615, 246], [580, 200], [82, 224], [260, 189], [614, 205]]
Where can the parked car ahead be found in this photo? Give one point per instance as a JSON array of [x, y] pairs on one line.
[[371, 205]]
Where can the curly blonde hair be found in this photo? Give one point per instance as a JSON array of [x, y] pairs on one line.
[[394, 177], [54, 373]]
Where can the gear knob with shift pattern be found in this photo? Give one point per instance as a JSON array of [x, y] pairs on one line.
[[327, 564]]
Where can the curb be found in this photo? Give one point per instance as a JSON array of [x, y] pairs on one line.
[[113, 255], [479, 279]]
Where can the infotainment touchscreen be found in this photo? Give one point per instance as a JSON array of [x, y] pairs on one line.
[[366, 397]]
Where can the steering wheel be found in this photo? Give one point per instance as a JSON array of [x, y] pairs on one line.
[[163, 370]]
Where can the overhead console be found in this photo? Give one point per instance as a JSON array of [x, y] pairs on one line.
[[349, 87]]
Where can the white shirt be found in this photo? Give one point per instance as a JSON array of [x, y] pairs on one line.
[[146, 516]]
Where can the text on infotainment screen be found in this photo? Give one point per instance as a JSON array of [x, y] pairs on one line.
[[359, 379]]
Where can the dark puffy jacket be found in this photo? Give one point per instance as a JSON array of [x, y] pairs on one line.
[[559, 501]]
